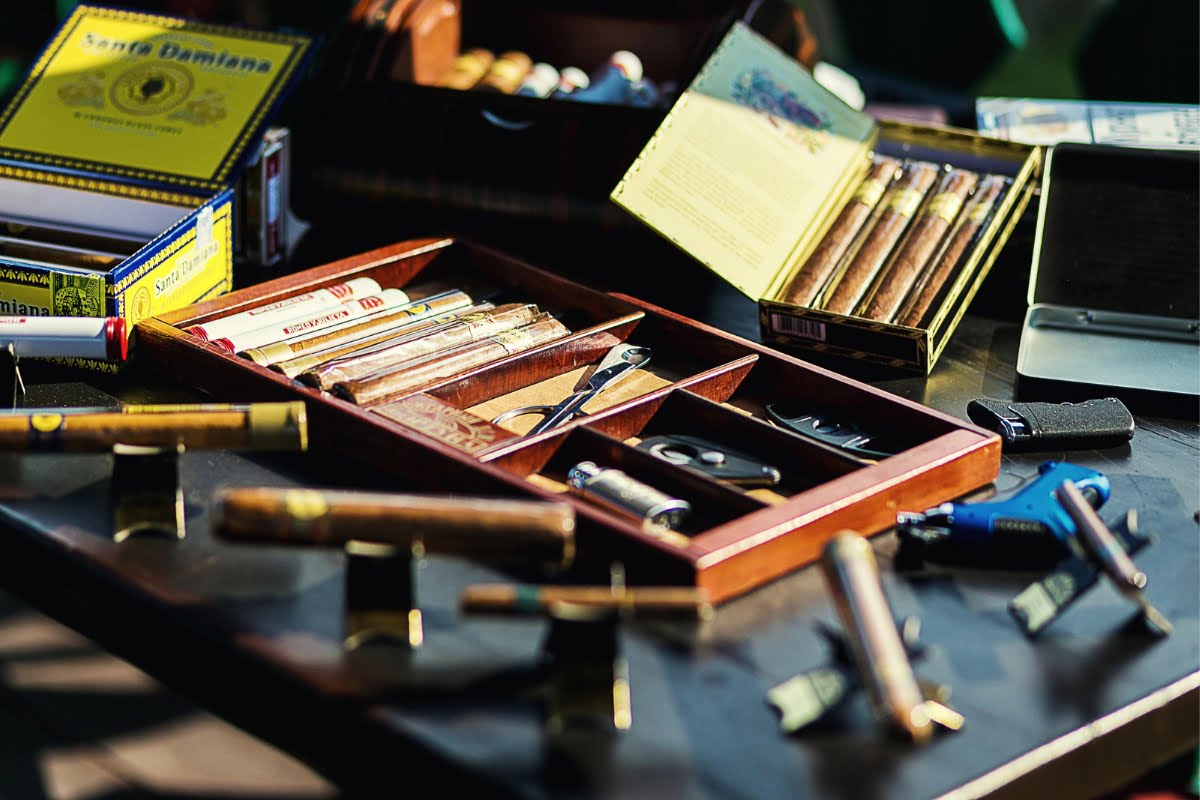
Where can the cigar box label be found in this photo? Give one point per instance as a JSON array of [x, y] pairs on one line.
[[148, 98], [870, 192], [945, 205], [798, 326], [904, 202], [444, 422]]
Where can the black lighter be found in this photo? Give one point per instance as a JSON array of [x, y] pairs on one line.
[[1097, 423]]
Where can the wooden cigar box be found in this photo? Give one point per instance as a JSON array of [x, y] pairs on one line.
[[384, 138], [698, 382], [772, 158], [117, 153]]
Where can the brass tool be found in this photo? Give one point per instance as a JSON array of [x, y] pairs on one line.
[[1102, 546]]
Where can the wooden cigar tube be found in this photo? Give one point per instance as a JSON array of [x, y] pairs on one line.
[[807, 285], [896, 280], [897, 208], [253, 426], [488, 528], [965, 233], [853, 578], [658, 601]]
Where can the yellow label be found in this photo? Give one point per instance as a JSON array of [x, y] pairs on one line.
[[46, 423], [147, 96], [904, 202], [22, 299], [945, 205], [305, 504], [191, 267], [869, 193], [980, 212]]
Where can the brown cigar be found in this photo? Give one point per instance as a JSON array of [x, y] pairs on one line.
[[382, 387], [254, 426], [468, 69], [482, 527], [971, 222], [807, 284], [657, 601], [902, 271], [897, 208]]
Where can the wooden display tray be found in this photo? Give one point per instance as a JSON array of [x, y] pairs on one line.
[[700, 381]]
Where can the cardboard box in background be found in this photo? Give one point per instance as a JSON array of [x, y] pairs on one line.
[[129, 129]]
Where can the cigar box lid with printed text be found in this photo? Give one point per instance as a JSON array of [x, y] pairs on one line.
[[116, 157], [750, 169]]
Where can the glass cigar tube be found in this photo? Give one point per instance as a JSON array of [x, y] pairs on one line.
[[853, 579], [465, 329], [406, 332], [409, 312], [897, 208], [656, 601], [285, 309], [965, 233], [313, 321], [252, 426], [498, 529], [469, 68], [386, 386], [805, 287], [66, 337], [927, 231]]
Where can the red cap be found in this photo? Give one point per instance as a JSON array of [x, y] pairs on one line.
[[116, 342], [197, 330], [224, 344]]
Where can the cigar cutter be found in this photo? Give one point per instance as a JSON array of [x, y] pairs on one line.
[[712, 460]]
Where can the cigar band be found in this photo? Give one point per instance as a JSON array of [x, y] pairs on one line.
[[869, 192], [979, 212], [513, 341], [306, 510], [945, 205], [904, 202]]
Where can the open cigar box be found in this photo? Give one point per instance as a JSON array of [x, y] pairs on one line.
[[698, 382]]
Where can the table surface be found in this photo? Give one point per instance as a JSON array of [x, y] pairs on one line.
[[254, 633]]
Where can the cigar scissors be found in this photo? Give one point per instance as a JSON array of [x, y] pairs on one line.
[[618, 363]]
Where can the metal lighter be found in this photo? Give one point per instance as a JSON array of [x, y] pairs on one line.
[[614, 489]]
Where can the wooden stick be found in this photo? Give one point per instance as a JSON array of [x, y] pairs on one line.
[[671, 601]]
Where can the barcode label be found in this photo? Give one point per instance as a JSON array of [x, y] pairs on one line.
[[795, 326]]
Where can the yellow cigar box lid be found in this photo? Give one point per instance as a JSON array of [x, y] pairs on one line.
[[745, 169], [148, 100]]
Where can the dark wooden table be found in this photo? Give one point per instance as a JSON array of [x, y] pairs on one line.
[[254, 633]]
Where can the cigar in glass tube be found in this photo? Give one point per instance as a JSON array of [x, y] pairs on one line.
[[807, 284], [387, 386], [966, 232], [656, 601], [484, 527], [66, 337], [467, 328], [57, 255], [405, 314], [1104, 549], [896, 209], [469, 68], [312, 321], [879, 654], [927, 231], [209, 426], [285, 309], [506, 73], [399, 334]]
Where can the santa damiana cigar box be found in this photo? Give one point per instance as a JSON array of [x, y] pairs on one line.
[[116, 157], [859, 239], [700, 458]]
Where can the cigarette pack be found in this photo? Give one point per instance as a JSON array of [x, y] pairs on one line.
[[117, 156], [755, 163], [455, 433]]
